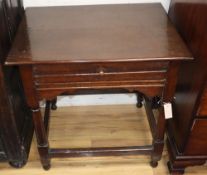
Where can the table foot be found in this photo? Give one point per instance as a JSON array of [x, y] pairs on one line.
[[175, 170], [17, 164], [45, 161], [47, 167], [153, 164]]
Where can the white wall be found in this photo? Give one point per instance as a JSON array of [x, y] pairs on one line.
[[30, 3], [92, 99]]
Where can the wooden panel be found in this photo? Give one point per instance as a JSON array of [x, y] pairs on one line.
[[198, 138], [189, 17], [202, 111], [14, 10], [50, 91], [4, 34], [187, 135], [15, 118]]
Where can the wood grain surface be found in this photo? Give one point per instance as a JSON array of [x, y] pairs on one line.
[[97, 33], [202, 111]]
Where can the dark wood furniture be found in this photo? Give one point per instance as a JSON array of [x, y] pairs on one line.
[[187, 131], [107, 48], [15, 117]]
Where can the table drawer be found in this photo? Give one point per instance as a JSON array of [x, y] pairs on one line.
[[147, 77], [202, 111], [92, 72], [99, 68], [153, 76]]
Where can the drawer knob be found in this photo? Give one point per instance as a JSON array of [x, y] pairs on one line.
[[101, 72]]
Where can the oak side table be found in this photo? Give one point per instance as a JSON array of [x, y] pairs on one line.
[[131, 47]]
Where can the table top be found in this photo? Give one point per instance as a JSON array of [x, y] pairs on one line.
[[96, 33]]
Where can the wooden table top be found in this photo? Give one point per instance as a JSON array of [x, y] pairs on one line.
[[96, 33]]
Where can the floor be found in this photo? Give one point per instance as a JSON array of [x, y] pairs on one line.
[[94, 126]]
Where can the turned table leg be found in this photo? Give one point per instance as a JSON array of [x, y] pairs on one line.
[[170, 85], [158, 140], [42, 142], [33, 103]]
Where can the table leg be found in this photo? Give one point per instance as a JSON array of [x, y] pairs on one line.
[[54, 103], [139, 99], [33, 102], [158, 140], [42, 142]]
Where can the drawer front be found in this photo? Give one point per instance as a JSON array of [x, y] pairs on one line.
[[197, 142], [202, 111], [148, 77], [105, 72], [99, 68]]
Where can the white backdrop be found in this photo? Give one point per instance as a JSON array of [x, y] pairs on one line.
[[92, 99]]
